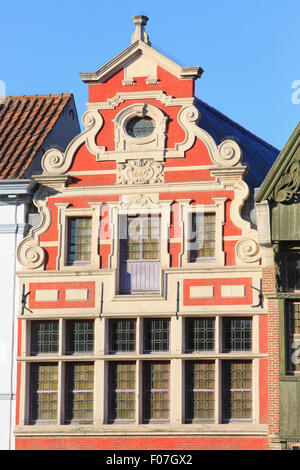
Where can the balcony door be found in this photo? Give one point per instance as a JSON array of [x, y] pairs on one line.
[[139, 253]]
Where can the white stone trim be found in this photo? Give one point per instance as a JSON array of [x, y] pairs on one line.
[[77, 294], [201, 291], [218, 208], [64, 212], [46, 295], [233, 291], [133, 52], [127, 147], [29, 252], [139, 204]]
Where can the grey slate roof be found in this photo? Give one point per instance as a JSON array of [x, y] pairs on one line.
[[258, 155]]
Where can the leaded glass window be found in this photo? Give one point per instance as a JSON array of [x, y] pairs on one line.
[[237, 383], [43, 392], [200, 334], [140, 127], [80, 336], [156, 391], [122, 335], [203, 236], [122, 391], [156, 335], [79, 392], [79, 239], [142, 238], [200, 396], [237, 334], [44, 337]]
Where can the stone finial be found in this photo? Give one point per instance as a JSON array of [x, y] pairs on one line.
[[140, 34]]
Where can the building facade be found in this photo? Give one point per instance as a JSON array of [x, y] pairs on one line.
[[144, 326], [278, 211], [29, 125]]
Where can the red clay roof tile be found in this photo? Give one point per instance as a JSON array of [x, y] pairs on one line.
[[25, 122]]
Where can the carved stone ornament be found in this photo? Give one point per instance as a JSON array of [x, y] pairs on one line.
[[278, 266], [248, 250], [140, 201], [29, 253], [140, 172], [289, 183]]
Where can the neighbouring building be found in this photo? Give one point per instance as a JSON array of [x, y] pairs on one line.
[[278, 210], [29, 125], [144, 325]]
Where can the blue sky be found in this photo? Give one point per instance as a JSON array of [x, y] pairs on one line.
[[249, 51]]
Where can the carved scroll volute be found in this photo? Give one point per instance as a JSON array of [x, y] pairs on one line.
[[29, 253], [230, 153], [288, 184], [248, 250], [54, 162]]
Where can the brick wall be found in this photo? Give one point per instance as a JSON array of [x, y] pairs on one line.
[[270, 296], [144, 443]]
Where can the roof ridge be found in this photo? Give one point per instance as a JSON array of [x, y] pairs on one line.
[[36, 96]]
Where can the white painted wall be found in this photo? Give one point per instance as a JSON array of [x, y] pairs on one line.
[[12, 217]]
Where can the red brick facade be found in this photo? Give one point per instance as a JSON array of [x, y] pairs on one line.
[[184, 177]]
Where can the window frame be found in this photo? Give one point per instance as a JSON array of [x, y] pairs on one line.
[[133, 206], [110, 365], [199, 258], [189, 391], [187, 209], [68, 392], [290, 253], [146, 332], [143, 219], [77, 261], [34, 323], [151, 391], [225, 333], [124, 141], [67, 339], [187, 328], [113, 321], [39, 391], [64, 214], [231, 390]]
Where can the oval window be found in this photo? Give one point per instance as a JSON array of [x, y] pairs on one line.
[[140, 127]]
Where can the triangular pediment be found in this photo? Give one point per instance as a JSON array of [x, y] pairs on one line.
[[137, 56], [283, 180]]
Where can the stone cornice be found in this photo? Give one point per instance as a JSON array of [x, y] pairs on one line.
[[15, 186], [52, 181], [134, 50]]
